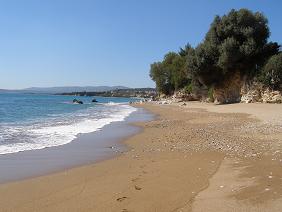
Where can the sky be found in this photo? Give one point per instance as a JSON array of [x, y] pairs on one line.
[[45, 43]]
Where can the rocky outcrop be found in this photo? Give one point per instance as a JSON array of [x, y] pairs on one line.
[[229, 90], [184, 96], [269, 96], [75, 101], [251, 92], [251, 97], [232, 90], [256, 92]]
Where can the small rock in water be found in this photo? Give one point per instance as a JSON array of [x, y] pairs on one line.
[[75, 101]]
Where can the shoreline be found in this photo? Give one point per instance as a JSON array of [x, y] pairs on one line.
[[171, 165], [87, 148]]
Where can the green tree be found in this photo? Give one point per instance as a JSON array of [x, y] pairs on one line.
[[235, 42], [271, 75], [158, 74], [170, 74], [234, 48], [176, 66], [183, 52]]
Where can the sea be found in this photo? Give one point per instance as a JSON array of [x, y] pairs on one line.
[[38, 121]]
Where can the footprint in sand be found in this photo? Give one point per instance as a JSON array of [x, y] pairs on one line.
[[135, 179], [121, 199], [125, 210]]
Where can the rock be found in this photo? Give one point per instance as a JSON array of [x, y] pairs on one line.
[[229, 90], [75, 101], [94, 100], [251, 92], [256, 92], [271, 96], [251, 97], [181, 96], [277, 98]]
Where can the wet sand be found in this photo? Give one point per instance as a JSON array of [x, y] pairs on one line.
[[188, 159], [87, 148]]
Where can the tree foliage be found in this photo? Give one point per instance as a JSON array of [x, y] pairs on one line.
[[272, 72], [170, 74], [236, 42]]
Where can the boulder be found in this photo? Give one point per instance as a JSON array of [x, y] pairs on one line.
[[251, 92], [269, 96], [251, 96], [181, 95], [75, 101], [277, 98]]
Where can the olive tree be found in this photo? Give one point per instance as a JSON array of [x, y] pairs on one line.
[[236, 42]]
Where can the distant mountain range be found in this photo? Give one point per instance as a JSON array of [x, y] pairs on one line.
[[64, 89]]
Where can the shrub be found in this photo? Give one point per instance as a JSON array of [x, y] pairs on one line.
[[188, 88], [271, 75]]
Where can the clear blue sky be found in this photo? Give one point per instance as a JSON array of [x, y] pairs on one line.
[[81, 42]]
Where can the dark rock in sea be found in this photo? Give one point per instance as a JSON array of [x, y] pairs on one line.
[[94, 100], [75, 101]]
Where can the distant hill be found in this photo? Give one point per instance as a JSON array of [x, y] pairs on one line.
[[65, 89]]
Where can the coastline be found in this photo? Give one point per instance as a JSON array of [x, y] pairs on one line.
[[86, 148], [171, 165]]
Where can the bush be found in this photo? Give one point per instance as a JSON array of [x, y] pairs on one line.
[[271, 75], [188, 88]]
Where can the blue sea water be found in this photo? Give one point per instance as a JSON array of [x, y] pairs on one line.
[[33, 121]]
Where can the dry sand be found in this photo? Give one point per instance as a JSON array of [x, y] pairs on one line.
[[210, 159]]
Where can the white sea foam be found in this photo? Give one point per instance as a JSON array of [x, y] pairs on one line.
[[113, 103], [50, 135]]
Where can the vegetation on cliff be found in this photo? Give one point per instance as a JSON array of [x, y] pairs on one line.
[[235, 48]]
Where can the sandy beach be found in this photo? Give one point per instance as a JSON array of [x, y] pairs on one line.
[[193, 157]]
